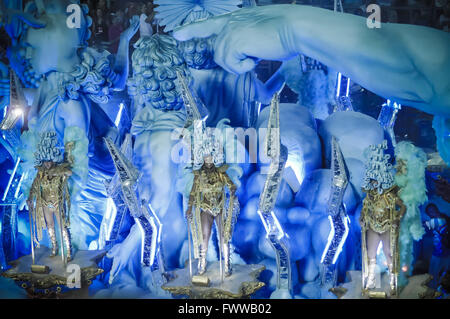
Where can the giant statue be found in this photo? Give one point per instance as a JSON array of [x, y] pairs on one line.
[[67, 82]]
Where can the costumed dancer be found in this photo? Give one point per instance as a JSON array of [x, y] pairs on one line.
[[208, 200], [380, 216], [49, 195]]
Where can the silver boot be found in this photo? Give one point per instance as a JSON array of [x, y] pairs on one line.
[[52, 235], [67, 243], [392, 280], [227, 260], [201, 267], [371, 280]]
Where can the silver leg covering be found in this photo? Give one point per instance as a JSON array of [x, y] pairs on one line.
[[52, 235], [371, 276], [227, 259], [202, 260], [67, 243]]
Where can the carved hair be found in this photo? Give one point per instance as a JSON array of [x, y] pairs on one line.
[[198, 53], [156, 61]]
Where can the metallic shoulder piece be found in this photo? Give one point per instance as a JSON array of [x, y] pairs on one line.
[[223, 168]]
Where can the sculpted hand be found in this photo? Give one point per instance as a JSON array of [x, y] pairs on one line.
[[132, 29], [125, 253], [246, 35]]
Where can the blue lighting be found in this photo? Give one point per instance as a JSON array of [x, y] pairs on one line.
[[11, 179], [119, 114]]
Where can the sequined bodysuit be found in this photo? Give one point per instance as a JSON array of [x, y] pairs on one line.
[[379, 211]]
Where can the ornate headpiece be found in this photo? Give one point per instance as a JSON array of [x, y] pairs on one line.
[[207, 141], [48, 149], [378, 168]]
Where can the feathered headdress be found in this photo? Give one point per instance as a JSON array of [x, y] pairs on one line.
[[174, 13], [220, 143], [413, 192], [209, 142]]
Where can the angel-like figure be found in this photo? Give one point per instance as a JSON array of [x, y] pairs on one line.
[[208, 200], [380, 216], [49, 195]]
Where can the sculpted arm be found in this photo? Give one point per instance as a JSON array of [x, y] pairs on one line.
[[75, 113], [121, 66], [405, 63]]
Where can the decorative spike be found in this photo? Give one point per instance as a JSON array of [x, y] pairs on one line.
[[112, 222], [144, 217], [128, 174], [273, 139], [275, 234], [195, 110], [388, 116], [16, 103], [337, 216]]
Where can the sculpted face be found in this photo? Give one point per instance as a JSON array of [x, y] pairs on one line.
[[54, 47]]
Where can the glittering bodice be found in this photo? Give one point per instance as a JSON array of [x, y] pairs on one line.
[[50, 184], [50, 188], [379, 210], [211, 189]]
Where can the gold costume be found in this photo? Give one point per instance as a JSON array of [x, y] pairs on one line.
[[49, 195], [208, 197], [380, 213], [50, 189]]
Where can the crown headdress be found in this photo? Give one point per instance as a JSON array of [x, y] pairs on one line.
[[207, 142], [378, 168], [48, 149]]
